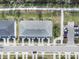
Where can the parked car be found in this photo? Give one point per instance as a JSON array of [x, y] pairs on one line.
[[65, 32]]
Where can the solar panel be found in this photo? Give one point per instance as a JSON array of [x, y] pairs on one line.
[[7, 28], [35, 29]]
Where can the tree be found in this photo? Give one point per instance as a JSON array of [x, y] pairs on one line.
[[74, 0], [40, 15], [18, 13], [56, 30], [3, 15]]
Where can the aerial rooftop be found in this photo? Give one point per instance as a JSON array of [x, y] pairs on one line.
[[7, 28], [35, 28]]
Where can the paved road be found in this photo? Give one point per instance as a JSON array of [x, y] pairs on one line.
[[40, 48]]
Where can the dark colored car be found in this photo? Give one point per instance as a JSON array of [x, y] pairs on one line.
[[65, 32]]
